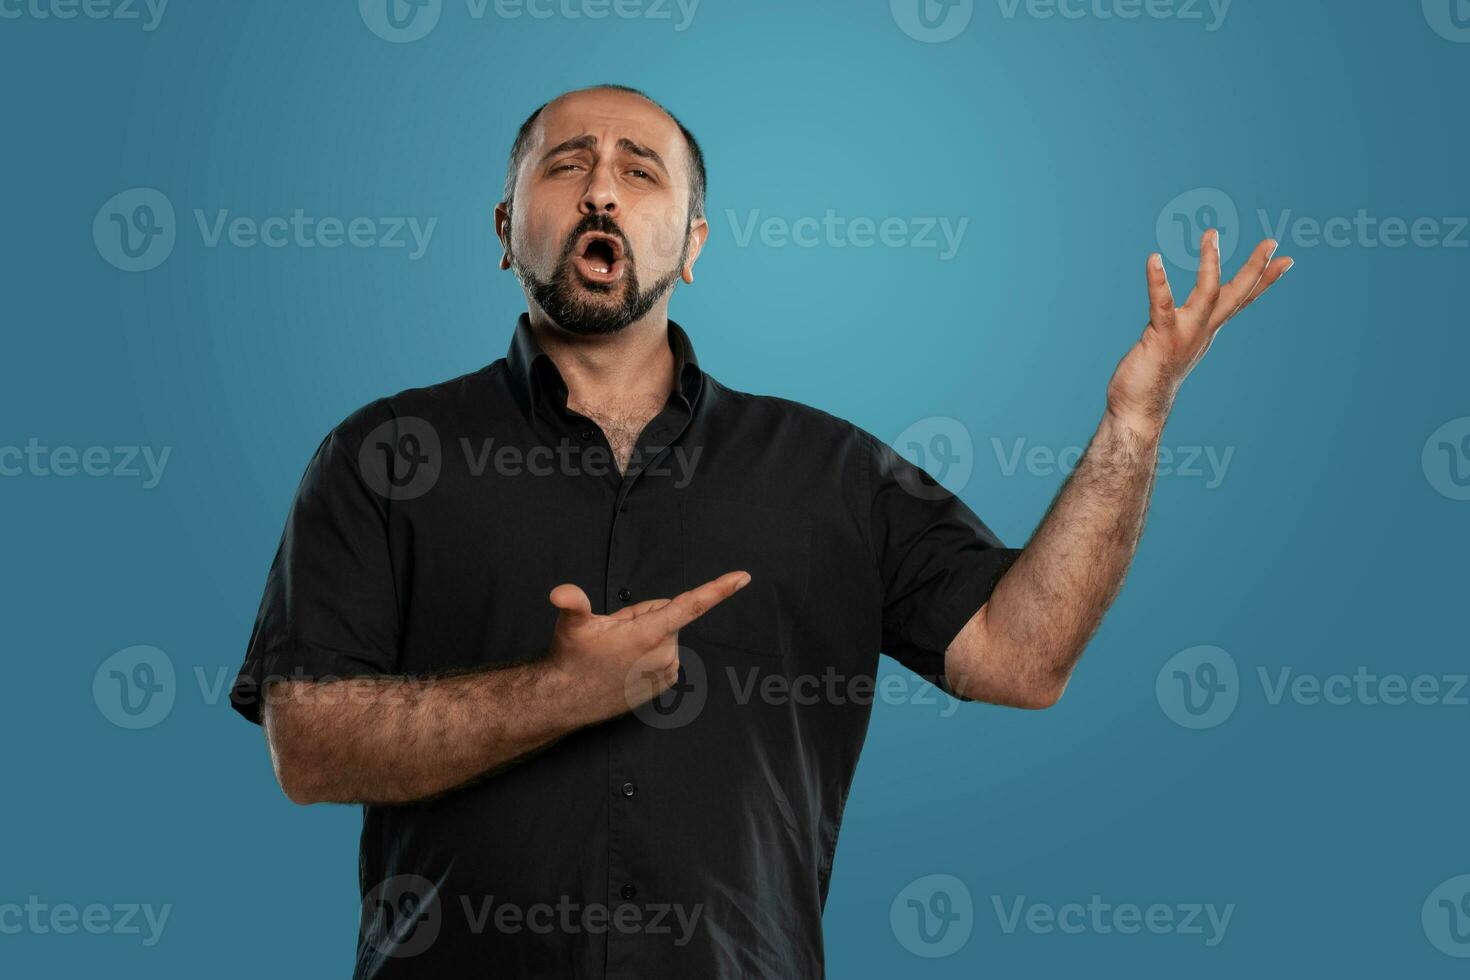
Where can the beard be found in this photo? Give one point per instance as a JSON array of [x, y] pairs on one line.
[[593, 308]]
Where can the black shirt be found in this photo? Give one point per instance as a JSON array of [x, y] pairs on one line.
[[693, 837]]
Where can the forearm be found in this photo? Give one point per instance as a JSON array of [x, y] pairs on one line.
[[400, 739], [1021, 647]]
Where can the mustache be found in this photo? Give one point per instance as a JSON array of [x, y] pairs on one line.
[[602, 224]]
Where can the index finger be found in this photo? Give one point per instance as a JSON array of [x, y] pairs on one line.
[[685, 608]]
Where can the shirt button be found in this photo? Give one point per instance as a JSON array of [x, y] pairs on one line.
[[625, 594], [629, 891], [629, 789], [585, 433]]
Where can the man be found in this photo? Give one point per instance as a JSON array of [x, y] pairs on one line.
[[625, 782]]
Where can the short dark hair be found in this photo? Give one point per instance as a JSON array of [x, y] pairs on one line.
[[697, 178]]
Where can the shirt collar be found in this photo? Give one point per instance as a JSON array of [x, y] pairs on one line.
[[535, 376]]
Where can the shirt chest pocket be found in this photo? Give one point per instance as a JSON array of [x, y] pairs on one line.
[[773, 545]]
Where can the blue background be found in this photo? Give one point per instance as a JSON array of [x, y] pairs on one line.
[[1325, 547]]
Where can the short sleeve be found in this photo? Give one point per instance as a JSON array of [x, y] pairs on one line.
[[330, 607], [938, 562]]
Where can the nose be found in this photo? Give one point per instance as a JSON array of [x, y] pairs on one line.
[[601, 193]]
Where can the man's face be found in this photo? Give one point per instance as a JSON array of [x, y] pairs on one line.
[[600, 228]]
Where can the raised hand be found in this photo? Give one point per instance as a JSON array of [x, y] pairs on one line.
[[612, 664], [1142, 390]]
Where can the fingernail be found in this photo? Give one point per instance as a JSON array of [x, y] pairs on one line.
[[1287, 268], [1157, 261], [744, 581]]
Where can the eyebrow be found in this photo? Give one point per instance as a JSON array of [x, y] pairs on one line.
[[589, 142]]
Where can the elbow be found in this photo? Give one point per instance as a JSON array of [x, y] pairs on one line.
[[292, 759], [1024, 688], [1040, 694], [294, 774], [1031, 691], [297, 785]]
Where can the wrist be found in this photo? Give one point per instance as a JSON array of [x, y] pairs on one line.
[[1142, 427], [564, 700]]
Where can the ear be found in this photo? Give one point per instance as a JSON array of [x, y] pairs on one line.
[[502, 231], [698, 233]]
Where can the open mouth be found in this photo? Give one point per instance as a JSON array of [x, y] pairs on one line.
[[599, 257]]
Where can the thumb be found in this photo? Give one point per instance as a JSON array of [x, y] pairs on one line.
[[572, 602]]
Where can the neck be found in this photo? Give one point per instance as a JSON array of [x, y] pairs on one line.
[[627, 372]]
